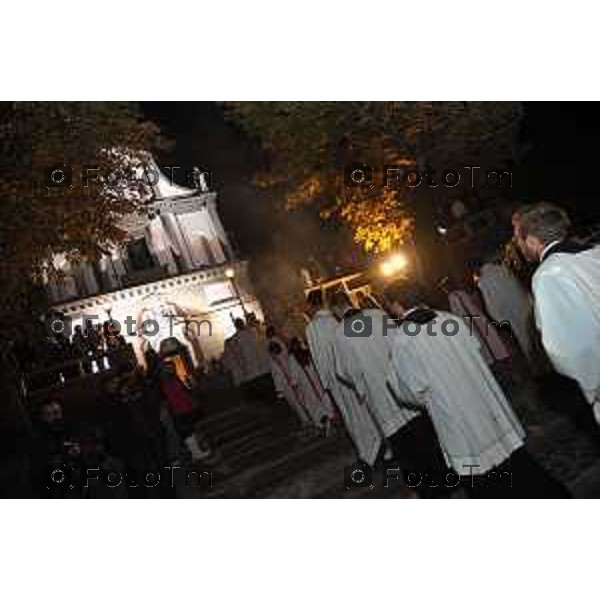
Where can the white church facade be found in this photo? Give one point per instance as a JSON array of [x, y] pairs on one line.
[[175, 275]]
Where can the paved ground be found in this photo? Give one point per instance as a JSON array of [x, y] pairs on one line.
[[261, 454]]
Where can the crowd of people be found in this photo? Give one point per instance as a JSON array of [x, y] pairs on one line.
[[139, 423], [426, 389], [426, 393], [57, 356]]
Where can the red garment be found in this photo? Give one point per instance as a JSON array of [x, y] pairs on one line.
[[178, 398]]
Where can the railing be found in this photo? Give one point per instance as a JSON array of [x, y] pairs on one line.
[[60, 374]]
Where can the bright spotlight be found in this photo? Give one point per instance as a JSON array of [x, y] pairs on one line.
[[387, 269], [398, 261], [229, 273], [393, 265]]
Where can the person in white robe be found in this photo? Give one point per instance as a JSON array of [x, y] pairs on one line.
[[436, 358], [467, 305], [307, 385], [253, 364], [282, 379], [231, 361], [507, 301], [362, 363], [359, 423], [566, 290]]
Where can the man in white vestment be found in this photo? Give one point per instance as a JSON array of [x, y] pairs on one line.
[[439, 361], [320, 335], [467, 305], [282, 378], [252, 364], [307, 385], [362, 363], [566, 290], [231, 362], [507, 301]]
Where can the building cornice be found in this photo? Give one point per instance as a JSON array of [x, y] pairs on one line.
[[203, 275]]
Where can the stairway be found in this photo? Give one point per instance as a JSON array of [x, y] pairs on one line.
[[260, 453]]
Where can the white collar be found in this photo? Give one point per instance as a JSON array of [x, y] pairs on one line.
[[410, 311], [547, 247]]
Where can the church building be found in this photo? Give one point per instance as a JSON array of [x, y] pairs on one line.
[[176, 276]]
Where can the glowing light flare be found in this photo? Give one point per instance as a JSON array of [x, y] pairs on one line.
[[229, 273], [387, 270], [393, 265]]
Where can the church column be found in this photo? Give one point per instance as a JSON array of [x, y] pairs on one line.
[[159, 247], [118, 265], [108, 272], [174, 228]]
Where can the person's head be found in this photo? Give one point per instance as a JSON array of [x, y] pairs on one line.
[[299, 352], [340, 303], [401, 297], [275, 348], [239, 323], [538, 226], [78, 330], [314, 302], [152, 359], [112, 385], [51, 412], [169, 367]]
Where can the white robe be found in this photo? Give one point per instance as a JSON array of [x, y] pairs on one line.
[[231, 361], [566, 289], [449, 378], [506, 300], [310, 392], [361, 427], [362, 362], [250, 352], [467, 305], [283, 382]]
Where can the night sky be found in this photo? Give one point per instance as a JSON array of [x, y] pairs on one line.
[[558, 163]]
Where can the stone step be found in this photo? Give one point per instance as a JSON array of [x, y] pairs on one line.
[[252, 439], [214, 417], [250, 477], [225, 434]]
